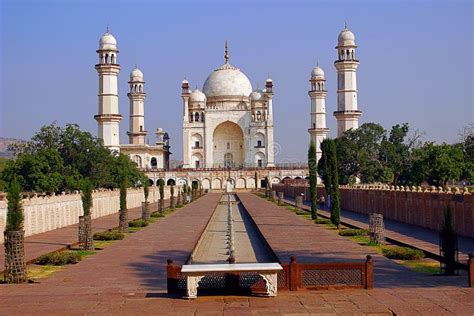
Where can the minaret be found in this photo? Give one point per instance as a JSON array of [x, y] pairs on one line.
[[108, 69], [318, 130], [347, 114], [137, 95], [270, 144], [185, 94]]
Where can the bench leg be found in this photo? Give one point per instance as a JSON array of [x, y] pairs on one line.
[[270, 283], [192, 283]]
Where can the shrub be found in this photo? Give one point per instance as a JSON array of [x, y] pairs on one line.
[[301, 213], [109, 235], [403, 253], [322, 221], [353, 232], [137, 223], [158, 214], [59, 258]]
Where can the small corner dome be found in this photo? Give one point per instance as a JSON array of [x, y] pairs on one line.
[[317, 72], [107, 42], [346, 37], [136, 75], [257, 95], [197, 96]]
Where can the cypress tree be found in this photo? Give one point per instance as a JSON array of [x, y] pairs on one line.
[[86, 197], [146, 189], [313, 178], [448, 242], [15, 217], [328, 169]]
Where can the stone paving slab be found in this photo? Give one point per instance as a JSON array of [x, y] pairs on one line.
[[64, 237], [418, 237]]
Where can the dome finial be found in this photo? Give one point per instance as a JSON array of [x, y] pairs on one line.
[[107, 28], [317, 62], [226, 56], [345, 25]]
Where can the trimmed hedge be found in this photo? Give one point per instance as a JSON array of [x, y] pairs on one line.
[[322, 221], [59, 258], [353, 232], [137, 223], [157, 214], [109, 235], [402, 253]]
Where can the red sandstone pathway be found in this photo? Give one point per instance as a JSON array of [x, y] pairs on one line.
[[415, 236], [291, 235], [129, 278], [61, 238]]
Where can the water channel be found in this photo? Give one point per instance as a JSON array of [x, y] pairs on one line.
[[231, 233]]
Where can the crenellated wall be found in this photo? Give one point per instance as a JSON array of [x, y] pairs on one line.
[[44, 213], [413, 205]]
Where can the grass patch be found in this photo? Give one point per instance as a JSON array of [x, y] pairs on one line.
[[300, 212], [36, 272], [101, 244], [157, 215], [59, 258], [422, 266], [137, 223], [109, 235], [322, 221], [353, 232], [402, 253]]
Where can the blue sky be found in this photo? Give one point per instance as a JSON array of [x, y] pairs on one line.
[[416, 60]]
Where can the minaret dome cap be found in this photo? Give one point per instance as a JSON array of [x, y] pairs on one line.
[[346, 38], [107, 42], [317, 73], [136, 75]]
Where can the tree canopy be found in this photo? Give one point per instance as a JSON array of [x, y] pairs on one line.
[[58, 159], [372, 154]]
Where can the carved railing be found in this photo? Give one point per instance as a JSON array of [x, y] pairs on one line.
[[294, 276]]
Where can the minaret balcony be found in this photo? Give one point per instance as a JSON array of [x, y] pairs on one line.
[[108, 117], [347, 114]]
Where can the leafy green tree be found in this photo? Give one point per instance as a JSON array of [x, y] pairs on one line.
[[437, 164], [58, 159], [15, 217], [313, 179]]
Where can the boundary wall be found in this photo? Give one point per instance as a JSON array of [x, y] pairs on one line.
[[421, 206], [48, 212]]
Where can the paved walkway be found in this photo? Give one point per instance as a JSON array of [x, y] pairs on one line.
[[62, 238], [415, 236], [292, 235], [129, 278]]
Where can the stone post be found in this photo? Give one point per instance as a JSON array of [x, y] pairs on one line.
[[293, 274], [280, 198], [172, 203], [376, 229], [299, 202], [369, 273], [85, 233], [274, 195], [15, 267], [145, 211], [123, 221]]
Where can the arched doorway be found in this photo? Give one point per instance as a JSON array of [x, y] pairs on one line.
[[228, 145], [170, 182]]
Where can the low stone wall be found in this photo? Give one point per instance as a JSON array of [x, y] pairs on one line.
[[412, 205], [44, 213]]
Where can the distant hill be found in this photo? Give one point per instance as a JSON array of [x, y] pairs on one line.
[[4, 142]]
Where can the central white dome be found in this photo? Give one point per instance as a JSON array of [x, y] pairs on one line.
[[227, 81]]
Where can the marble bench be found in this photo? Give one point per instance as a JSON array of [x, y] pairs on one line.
[[195, 272]]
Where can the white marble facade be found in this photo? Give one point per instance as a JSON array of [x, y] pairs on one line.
[[227, 124]]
